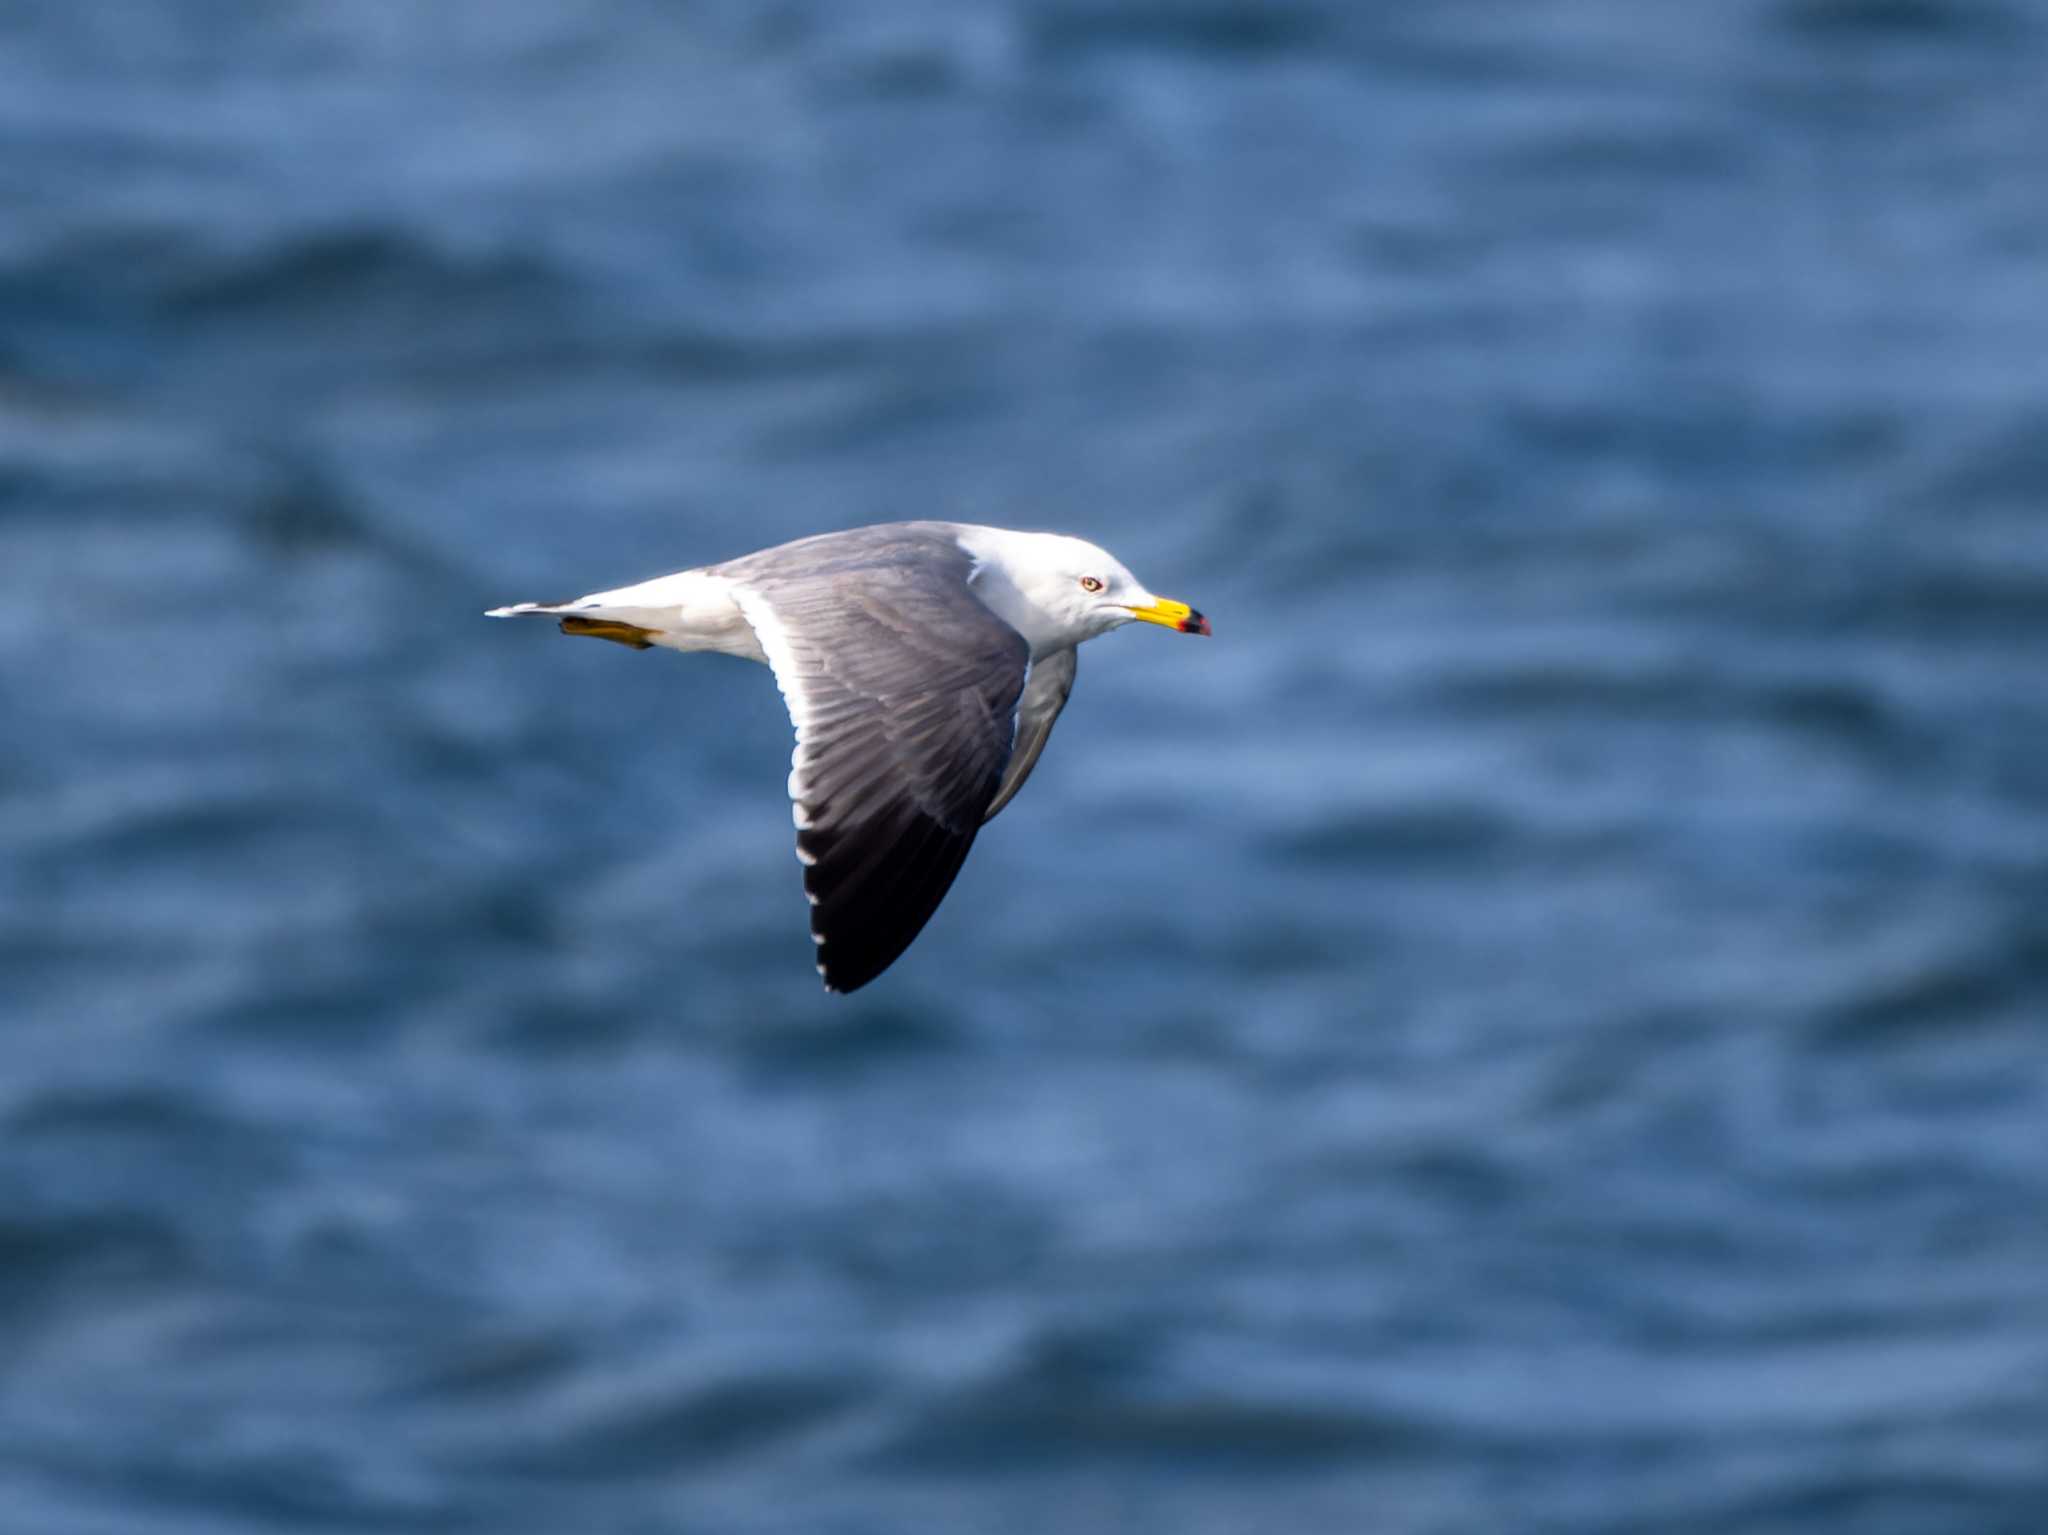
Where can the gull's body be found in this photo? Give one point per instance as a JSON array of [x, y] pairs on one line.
[[923, 664]]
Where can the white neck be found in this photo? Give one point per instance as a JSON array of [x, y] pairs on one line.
[[1003, 560]]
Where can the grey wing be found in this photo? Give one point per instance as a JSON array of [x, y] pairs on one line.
[[903, 689], [1045, 694]]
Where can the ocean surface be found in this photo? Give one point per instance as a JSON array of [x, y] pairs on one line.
[[1540, 1025]]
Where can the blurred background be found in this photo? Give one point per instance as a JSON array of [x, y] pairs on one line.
[[1541, 1024]]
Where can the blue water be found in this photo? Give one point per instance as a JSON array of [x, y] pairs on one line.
[[1540, 1025]]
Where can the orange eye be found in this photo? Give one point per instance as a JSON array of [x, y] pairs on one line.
[[1090, 584]]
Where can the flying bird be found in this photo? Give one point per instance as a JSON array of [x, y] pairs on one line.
[[923, 665]]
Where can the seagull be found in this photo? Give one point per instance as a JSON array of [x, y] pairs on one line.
[[923, 665]]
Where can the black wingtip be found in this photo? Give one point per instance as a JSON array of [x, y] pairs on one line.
[[872, 888]]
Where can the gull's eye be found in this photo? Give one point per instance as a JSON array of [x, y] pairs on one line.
[[1091, 584]]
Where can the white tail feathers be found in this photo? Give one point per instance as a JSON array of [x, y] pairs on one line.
[[686, 611]]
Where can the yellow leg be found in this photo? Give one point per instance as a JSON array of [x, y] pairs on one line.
[[609, 629]]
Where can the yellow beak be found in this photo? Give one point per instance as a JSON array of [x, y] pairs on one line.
[[1173, 615]]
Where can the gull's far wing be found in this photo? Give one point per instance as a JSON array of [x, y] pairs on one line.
[[1045, 694]]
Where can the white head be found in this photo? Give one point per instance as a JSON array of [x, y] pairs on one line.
[[1058, 591]]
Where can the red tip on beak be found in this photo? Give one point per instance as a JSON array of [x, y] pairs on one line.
[[1194, 623]]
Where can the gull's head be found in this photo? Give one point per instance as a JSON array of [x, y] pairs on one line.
[[1064, 590]]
